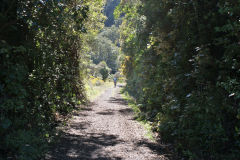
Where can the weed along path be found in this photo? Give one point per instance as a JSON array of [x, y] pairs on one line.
[[105, 130]]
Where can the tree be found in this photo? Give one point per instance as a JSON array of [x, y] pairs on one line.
[[108, 11], [181, 64], [104, 70], [42, 59], [104, 50], [111, 33]]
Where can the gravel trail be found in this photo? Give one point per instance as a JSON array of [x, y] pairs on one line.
[[105, 130]]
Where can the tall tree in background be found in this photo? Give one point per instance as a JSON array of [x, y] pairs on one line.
[[105, 46]]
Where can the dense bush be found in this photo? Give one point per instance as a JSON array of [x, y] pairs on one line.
[[104, 70], [41, 63], [182, 65]]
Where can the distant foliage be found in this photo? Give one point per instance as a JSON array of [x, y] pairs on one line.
[[104, 70], [41, 61], [101, 70], [104, 48], [108, 11], [182, 65], [111, 33]]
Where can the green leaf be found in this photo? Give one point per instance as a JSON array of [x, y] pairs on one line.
[[47, 135], [6, 123]]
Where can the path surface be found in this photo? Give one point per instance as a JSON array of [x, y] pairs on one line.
[[106, 130]]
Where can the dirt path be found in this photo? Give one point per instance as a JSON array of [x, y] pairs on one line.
[[106, 130]]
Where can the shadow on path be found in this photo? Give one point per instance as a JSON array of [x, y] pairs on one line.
[[87, 147], [119, 101], [165, 150], [127, 111], [107, 112], [120, 85], [79, 126], [81, 140]]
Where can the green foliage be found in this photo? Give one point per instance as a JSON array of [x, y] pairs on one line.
[[104, 70], [111, 33], [182, 66], [104, 73], [103, 48], [42, 61], [95, 87], [108, 11]]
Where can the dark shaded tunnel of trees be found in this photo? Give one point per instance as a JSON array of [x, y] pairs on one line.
[[180, 58]]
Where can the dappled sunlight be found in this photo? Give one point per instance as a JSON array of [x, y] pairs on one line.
[[107, 131], [120, 79]]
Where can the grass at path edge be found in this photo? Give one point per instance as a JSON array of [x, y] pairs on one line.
[[95, 91], [146, 124]]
